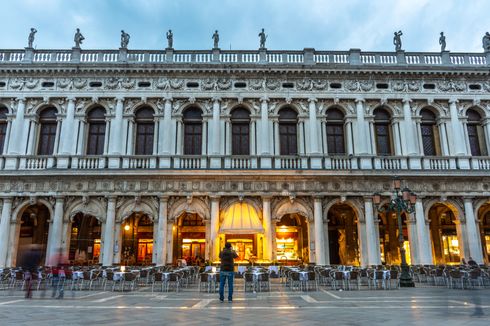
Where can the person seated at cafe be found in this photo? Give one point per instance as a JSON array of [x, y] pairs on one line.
[[472, 262], [463, 262]]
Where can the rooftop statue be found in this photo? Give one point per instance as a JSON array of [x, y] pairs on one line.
[[263, 38], [442, 42], [170, 39], [78, 38], [486, 42], [215, 38], [30, 40], [397, 40], [124, 40]]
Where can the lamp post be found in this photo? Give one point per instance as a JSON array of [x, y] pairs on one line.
[[402, 200]]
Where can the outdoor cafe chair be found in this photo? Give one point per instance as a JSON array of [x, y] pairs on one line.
[[337, 279], [172, 280], [157, 278], [354, 278]]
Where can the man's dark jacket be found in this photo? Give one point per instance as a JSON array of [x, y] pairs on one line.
[[227, 257]]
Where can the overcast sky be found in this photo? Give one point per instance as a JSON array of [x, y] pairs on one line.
[[290, 24]]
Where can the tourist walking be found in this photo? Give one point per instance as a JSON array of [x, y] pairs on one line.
[[227, 271]]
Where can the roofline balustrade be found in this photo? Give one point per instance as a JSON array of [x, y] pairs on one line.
[[307, 56]]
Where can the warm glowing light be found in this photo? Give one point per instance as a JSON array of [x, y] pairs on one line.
[[454, 242], [123, 268], [126, 227]]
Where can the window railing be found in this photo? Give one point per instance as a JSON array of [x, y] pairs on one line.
[[187, 162]]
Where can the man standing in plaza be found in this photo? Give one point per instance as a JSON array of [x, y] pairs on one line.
[[227, 271]]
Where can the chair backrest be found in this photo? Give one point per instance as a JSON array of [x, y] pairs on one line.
[[354, 275], [173, 277], [295, 276], [158, 277], [311, 276], [380, 275], [19, 275], [204, 277], [394, 274], [338, 275], [110, 276], [249, 277], [264, 277], [129, 277]]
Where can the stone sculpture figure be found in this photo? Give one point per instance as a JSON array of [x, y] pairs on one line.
[[78, 38], [215, 38], [170, 39], [124, 39], [442, 42], [397, 40], [486, 42], [32, 34], [263, 38]]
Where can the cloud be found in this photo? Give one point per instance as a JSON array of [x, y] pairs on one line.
[[290, 24]]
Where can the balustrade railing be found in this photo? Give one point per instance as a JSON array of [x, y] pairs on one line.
[[307, 56], [185, 162]]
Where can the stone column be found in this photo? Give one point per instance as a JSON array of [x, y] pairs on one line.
[[319, 231], [313, 126], [214, 237], [397, 138], [443, 137], [67, 128], [349, 140], [408, 135], [118, 242], [361, 135], [180, 136], [475, 245], [165, 133], [107, 134], [423, 235], [55, 233], [412, 239], [170, 241], [326, 240], [457, 130], [216, 126], [109, 230], [252, 136], [161, 249], [5, 230], [264, 126], [266, 203], [486, 133], [363, 247], [372, 240], [116, 140], [17, 128], [156, 134], [130, 139], [7, 135], [228, 136], [59, 122], [277, 142]]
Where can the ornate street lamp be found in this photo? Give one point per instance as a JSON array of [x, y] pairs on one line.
[[401, 201]]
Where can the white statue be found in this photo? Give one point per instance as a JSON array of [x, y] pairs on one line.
[[170, 38], [78, 38], [263, 38], [215, 38], [486, 42], [124, 40], [32, 34], [397, 40], [442, 42]]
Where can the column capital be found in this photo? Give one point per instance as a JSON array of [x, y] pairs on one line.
[[214, 198], [453, 100], [359, 100], [71, 99], [264, 99], [216, 99], [164, 198], [168, 99], [266, 197], [317, 198], [120, 99], [406, 100], [468, 199], [7, 199], [111, 198], [312, 99], [20, 99]]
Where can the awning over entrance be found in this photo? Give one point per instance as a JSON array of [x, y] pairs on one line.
[[241, 218]]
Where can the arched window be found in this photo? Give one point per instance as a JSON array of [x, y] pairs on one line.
[[475, 133], [288, 131], [429, 132], [47, 131], [335, 131], [3, 127], [145, 130], [240, 132], [193, 131], [96, 131], [382, 132]]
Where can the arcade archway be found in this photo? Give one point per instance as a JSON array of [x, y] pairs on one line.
[[84, 239], [446, 247], [292, 238], [343, 235], [137, 240], [190, 238]]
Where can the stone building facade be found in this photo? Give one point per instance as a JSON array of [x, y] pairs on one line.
[[139, 157]]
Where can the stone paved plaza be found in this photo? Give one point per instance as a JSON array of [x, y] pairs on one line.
[[420, 306]]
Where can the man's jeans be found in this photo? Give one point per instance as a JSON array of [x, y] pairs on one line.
[[58, 283], [223, 276]]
